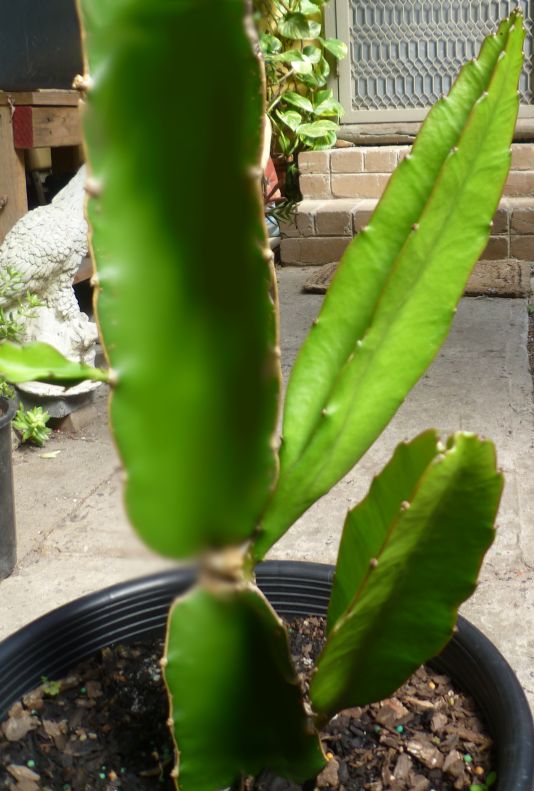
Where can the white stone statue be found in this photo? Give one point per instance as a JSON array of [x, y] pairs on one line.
[[45, 249]]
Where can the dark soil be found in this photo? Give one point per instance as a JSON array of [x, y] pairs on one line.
[[104, 727]]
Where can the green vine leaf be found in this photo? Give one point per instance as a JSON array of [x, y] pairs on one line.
[[317, 129], [298, 26], [336, 47], [298, 101], [291, 118]]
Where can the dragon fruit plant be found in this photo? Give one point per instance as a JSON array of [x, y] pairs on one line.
[[194, 322]]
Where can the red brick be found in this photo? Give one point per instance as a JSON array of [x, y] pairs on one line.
[[348, 160], [522, 247], [496, 249], [313, 250], [381, 159], [314, 162], [522, 156], [522, 221], [315, 186], [520, 183], [359, 185]]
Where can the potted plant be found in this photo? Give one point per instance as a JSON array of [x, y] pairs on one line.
[[212, 484], [300, 104]]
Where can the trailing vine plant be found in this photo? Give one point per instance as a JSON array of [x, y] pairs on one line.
[[302, 108]]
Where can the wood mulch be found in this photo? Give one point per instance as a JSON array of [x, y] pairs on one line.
[[103, 727]]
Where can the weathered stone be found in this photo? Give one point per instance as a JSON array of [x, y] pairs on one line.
[[313, 250], [522, 156], [522, 220], [381, 159], [522, 248], [363, 213], [314, 161], [315, 185], [506, 278], [496, 249], [520, 183], [334, 218], [305, 216], [359, 185], [347, 161], [500, 221]]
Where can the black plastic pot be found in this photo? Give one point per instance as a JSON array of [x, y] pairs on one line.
[[52, 644], [8, 540]]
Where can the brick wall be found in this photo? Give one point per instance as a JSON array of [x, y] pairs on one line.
[[341, 188]]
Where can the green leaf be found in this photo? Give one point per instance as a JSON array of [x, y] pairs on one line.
[[296, 100], [270, 45], [313, 53], [308, 8], [394, 295], [320, 143], [317, 128], [323, 96], [196, 406], [297, 26], [290, 55], [309, 81], [367, 525], [291, 118], [302, 67], [336, 47], [237, 703], [39, 362], [405, 606], [329, 107]]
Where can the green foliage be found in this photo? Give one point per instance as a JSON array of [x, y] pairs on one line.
[[239, 701], [6, 391], [174, 314], [31, 424], [486, 785], [207, 347], [393, 298], [12, 321], [300, 104], [50, 688], [40, 362], [395, 596]]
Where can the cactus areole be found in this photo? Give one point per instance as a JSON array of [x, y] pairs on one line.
[[212, 482]]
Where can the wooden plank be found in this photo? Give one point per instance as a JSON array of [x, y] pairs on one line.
[[46, 127], [12, 177], [46, 98]]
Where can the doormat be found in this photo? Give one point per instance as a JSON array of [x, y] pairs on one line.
[[508, 278]]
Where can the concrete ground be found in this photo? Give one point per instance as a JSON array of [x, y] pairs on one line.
[[73, 536]]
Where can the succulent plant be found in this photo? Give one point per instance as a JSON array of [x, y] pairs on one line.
[[197, 324]]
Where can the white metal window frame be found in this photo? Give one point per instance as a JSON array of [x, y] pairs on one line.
[[337, 24]]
